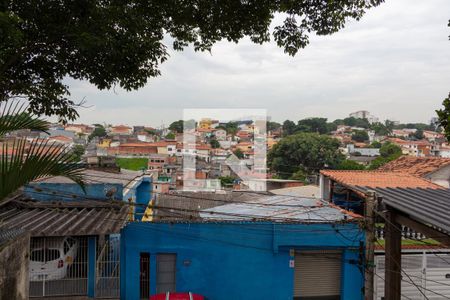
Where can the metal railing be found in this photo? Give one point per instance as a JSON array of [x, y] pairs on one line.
[[58, 266], [407, 233], [107, 283]]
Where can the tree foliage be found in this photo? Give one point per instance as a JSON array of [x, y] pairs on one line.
[[271, 126], [388, 152], [99, 131], [170, 136], [444, 116], [226, 180], [360, 136], [350, 165], [22, 162], [308, 152], [381, 129], [214, 143], [288, 127], [239, 154], [77, 152], [232, 128], [123, 43]]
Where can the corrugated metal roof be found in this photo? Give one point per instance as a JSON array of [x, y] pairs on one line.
[[279, 209], [7, 235], [63, 218], [187, 205], [429, 206], [123, 177]]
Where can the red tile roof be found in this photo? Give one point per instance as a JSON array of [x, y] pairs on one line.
[[419, 166], [61, 138], [378, 179]]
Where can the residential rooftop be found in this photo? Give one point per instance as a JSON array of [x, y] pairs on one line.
[[381, 179], [282, 209], [418, 166]]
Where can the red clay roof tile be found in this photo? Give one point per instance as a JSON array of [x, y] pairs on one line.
[[418, 166], [379, 179]]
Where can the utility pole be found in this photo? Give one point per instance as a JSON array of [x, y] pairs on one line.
[[370, 244], [393, 249]]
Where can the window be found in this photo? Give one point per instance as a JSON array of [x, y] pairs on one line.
[[44, 255]]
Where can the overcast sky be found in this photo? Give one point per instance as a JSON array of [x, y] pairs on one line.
[[395, 63]]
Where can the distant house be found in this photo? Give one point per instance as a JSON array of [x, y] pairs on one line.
[[232, 246], [362, 151], [244, 146], [435, 169], [120, 130], [205, 123], [441, 150], [133, 149], [432, 135], [364, 114], [79, 128], [144, 136], [220, 134], [61, 139], [418, 148], [404, 133], [157, 161]]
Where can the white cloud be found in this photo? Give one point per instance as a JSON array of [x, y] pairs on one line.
[[395, 62]]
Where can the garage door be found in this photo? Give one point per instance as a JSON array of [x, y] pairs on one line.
[[317, 275]]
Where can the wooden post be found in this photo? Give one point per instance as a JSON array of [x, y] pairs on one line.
[[370, 245], [393, 248]]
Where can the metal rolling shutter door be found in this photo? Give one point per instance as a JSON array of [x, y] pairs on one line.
[[317, 275]]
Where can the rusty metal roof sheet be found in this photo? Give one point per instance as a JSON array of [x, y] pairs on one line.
[[63, 218]]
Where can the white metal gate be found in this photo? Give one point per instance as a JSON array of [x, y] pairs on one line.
[[107, 283], [426, 276], [58, 266]]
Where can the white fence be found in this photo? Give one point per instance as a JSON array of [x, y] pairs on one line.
[[424, 276]]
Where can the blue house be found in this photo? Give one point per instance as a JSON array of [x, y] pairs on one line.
[[129, 186], [266, 247]]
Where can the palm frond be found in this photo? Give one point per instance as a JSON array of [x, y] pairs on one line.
[[21, 163], [14, 116]]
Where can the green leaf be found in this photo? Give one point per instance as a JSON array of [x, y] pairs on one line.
[[23, 162], [14, 116]]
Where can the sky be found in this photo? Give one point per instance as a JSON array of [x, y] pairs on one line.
[[394, 62]]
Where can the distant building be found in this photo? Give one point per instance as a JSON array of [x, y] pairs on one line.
[[364, 114], [220, 134], [121, 130], [364, 151]]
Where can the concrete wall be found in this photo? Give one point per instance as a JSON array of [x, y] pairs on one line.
[[236, 260], [14, 268]]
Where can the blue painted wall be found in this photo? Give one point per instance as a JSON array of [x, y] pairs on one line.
[[236, 260], [143, 196], [63, 191]]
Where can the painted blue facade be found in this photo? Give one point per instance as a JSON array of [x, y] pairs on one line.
[[237, 260], [44, 191], [143, 196], [139, 191]]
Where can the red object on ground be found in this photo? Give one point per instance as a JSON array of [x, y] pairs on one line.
[[177, 296]]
